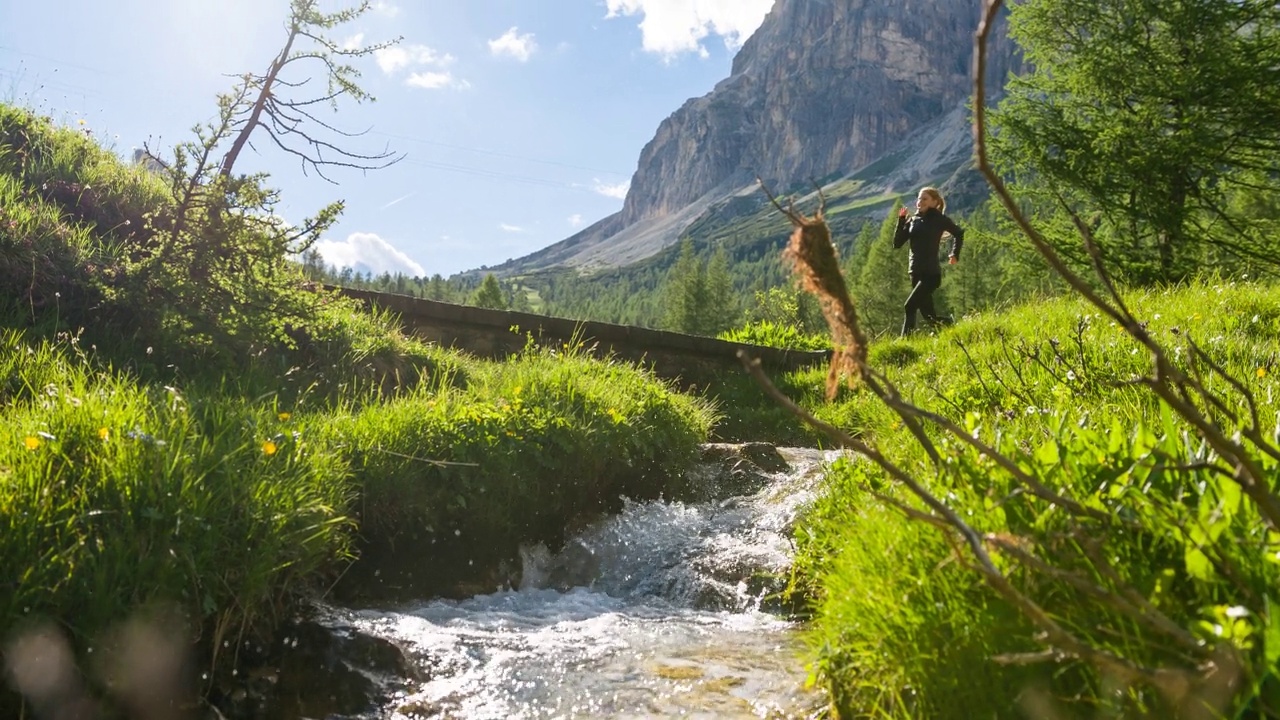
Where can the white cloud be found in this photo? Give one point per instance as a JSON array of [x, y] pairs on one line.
[[513, 44], [401, 57], [504, 227], [355, 42], [398, 57], [366, 252], [618, 191], [672, 27], [435, 81], [386, 8], [575, 220]]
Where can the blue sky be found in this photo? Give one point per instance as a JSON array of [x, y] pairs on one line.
[[521, 120]]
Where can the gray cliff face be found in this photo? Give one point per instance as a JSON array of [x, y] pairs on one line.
[[864, 96], [823, 87]]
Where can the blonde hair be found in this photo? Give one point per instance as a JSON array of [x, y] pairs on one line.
[[933, 194]]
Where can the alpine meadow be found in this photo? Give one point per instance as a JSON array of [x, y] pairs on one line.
[[1059, 499]]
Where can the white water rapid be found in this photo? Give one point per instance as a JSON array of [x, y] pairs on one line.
[[655, 612]]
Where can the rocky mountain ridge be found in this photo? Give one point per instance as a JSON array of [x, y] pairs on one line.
[[831, 90]]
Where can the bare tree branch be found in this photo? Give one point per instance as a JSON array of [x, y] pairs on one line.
[[1167, 376], [285, 119]]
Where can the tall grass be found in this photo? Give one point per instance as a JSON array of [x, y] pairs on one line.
[[902, 629], [776, 334], [116, 496], [140, 467]]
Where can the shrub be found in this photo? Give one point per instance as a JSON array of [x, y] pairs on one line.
[[770, 334]]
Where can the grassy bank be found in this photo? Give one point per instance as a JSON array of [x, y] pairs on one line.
[[117, 496], [904, 626], [162, 454], [454, 478]]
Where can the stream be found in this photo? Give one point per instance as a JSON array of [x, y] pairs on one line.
[[659, 611]]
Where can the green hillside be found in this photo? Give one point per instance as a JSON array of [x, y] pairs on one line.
[[198, 440], [746, 229]]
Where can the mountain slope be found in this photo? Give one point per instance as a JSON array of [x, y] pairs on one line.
[[866, 96]]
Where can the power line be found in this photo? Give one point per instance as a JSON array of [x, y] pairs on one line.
[[46, 58], [497, 175], [50, 84]]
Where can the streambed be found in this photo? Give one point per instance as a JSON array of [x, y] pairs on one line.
[[659, 611]]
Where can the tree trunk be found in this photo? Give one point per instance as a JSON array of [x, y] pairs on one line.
[[260, 104]]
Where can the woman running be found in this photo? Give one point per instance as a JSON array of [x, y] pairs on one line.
[[924, 231]]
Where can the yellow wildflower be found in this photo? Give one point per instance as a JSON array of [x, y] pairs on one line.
[[1262, 372], [104, 434], [284, 417], [31, 442], [269, 448]]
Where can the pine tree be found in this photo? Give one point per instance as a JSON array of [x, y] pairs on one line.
[[975, 283], [721, 311], [489, 294], [1145, 116], [313, 265], [685, 294], [519, 299], [861, 250]]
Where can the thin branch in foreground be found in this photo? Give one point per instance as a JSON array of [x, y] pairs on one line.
[[1173, 682], [1168, 379]]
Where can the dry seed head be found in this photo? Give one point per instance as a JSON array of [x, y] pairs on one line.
[[813, 258]]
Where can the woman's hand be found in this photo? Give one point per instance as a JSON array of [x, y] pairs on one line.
[[902, 212]]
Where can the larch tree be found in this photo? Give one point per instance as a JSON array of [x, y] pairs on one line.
[[722, 308], [276, 102], [220, 261], [698, 297], [1144, 117], [685, 292]]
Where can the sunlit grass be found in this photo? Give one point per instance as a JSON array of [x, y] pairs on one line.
[[519, 452], [902, 629], [141, 465], [114, 496]]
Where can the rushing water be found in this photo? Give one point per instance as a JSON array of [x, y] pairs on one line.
[[655, 612]]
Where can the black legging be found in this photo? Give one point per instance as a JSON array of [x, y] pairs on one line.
[[921, 298]]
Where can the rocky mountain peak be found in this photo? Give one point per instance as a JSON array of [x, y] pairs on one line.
[[821, 89]]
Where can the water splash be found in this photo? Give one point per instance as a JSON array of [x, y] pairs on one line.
[[655, 612]]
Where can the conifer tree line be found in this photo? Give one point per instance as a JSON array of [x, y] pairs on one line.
[[698, 290], [1154, 126]]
